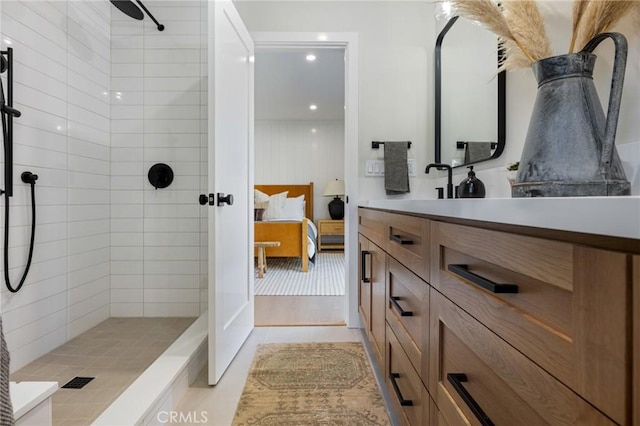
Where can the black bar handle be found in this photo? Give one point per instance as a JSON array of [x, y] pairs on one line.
[[456, 380], [402, 312], [403, 402], [463, 271], [363, 268], [398, 239]]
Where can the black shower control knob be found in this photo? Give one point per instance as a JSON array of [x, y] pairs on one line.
[[203, 199], [28, 177], [222, 199]]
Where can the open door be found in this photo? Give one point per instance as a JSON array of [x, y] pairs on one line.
[[230, 182]]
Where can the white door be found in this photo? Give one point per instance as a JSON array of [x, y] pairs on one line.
[[230, 155]]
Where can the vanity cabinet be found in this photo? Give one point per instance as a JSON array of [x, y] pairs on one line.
[[497, 324], [563, 305], [398, 316]]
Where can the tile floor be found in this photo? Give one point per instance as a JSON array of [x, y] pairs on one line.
[[119, 349], [115, 352], [215, 405]]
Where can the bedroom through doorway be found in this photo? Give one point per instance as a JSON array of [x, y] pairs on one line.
[[300, 152]]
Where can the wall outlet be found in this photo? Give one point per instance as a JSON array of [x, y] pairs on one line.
[[376, 167]]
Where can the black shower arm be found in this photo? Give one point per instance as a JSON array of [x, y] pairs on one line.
[[160, 26]]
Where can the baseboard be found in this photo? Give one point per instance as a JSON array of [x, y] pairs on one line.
[[319, 324]]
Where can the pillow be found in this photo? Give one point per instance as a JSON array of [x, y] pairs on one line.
[[275, 206], [293, 208], [260, 197]]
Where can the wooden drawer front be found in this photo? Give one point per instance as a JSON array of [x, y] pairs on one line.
[[408, 387], [408, 241], [502, 383], [411, 297], [569, 314], [332, 228], [371, 225]]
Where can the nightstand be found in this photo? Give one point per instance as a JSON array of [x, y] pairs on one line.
[[330, 234]]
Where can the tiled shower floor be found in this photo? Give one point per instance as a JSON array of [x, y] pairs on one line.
[[115, 352]]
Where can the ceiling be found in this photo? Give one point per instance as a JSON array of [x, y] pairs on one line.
[[286, 84]]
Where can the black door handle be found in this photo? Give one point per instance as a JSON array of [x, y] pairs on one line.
[[206, 199], [396, 389], [398, 239], [463, 271], [402, 312], [456, 380], [363, 268], [222, 199]]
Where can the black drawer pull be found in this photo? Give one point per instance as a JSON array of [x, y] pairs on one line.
[[463, 271], [456, 380], [402, 312], [398, 239], [403, 402], [363, 268]]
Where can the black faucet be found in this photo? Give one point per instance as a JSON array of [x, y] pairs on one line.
[[449, 170]]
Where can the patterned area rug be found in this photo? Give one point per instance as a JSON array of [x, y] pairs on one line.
[[311, 384], [284, 278]]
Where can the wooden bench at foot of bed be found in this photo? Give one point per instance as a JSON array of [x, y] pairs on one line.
[[292, 237]]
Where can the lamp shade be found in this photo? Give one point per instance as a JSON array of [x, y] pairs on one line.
[[334, 188]]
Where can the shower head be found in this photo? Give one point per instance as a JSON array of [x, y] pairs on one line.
[[130, 9]]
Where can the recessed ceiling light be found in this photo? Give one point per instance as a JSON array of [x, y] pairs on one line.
[[313, 107], [314, 130], [311, 57]]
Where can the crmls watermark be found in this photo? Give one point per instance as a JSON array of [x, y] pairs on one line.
[[189, 417]]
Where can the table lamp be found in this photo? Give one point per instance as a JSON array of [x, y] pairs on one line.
[[335, 188]]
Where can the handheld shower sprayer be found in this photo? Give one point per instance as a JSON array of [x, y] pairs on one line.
[[8, 113]]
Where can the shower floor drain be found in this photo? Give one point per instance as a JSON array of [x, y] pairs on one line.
[[78, 382]]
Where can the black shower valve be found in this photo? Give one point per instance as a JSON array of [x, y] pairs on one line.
[[28, 177]]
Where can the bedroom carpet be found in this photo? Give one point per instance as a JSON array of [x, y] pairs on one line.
[[311, 384], [284, 278]]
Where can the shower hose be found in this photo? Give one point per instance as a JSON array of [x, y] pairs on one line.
[[27, 177], [6, 238]]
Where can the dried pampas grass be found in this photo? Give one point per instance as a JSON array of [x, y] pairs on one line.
[[579, 6], [600, 16], [489, 15], [527, 26], [520, 26]]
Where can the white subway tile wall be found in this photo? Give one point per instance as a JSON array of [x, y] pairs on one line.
[[61, 85], [103, 98], [156, 117]]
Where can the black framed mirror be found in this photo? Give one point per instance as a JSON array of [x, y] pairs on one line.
[[470, 100]]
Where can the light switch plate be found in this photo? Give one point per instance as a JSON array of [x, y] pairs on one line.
[[376, 167]]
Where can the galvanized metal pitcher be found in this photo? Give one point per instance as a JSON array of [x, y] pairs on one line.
[[570, 146]]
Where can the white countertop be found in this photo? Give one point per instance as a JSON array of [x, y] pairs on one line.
[[27, 395], [613, 216]]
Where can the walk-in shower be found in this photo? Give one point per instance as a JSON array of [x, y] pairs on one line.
[[129, 8], [8, 113]]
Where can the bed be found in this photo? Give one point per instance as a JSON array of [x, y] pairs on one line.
[[298, 238]]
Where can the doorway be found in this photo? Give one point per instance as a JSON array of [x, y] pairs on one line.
[[297, 143]]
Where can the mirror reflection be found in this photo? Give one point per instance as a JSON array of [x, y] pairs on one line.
[[470, 97]]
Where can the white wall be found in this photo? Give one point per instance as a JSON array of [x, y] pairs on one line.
[[290, 152], [61, 83], [395, 41], [158, 117]]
